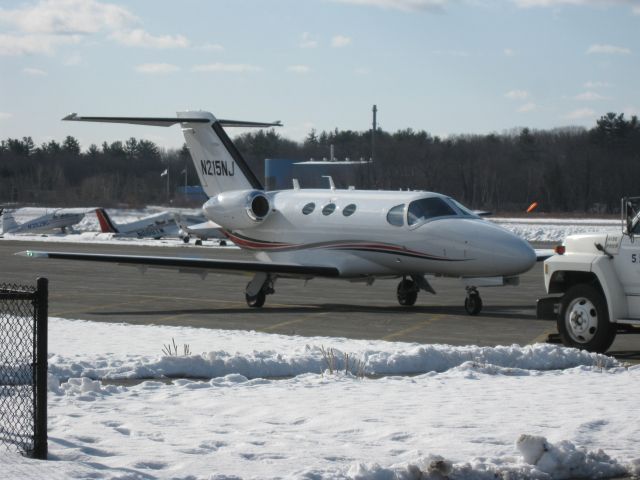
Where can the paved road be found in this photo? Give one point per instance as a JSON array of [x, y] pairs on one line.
[[112, 293]]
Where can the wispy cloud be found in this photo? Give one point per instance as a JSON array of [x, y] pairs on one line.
[[34, 71], [509, 52], [11, 44], [589, 97], [300, 69], [452, 53], [156, 68], [608, 50], [5, 115], [68, 17], [527, 107], [362, 71], [403, 5], [517, 94], [591, 84], [307, 41], [226, 68], [339, 41], [43, 27], [140, 38], [580, 114], [579, 3], [211, 47]]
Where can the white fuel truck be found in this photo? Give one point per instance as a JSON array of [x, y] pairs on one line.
[[594, 283]]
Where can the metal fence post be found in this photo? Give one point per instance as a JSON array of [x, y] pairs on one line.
[[40, 420]]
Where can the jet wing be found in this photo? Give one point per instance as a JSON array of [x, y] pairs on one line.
[[194, 265], [544, 253]]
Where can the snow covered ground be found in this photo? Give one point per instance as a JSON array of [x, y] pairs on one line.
[[255, 405]]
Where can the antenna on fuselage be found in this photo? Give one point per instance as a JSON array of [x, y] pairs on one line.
[[332, 185]]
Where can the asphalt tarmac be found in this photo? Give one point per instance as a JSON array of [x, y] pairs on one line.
[[113, 293]]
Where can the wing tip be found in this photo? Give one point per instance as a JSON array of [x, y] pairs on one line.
[[32, 253]]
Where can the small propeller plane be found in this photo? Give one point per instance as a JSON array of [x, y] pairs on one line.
[[157, 225], [48, 222], [354, 235]]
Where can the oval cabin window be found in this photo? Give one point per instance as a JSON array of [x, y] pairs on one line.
[[329, 209], [396, 216], [308, 208], [349, 210]]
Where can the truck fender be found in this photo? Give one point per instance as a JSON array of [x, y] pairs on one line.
[[602, 267]]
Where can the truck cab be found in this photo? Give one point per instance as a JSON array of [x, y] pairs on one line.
[[594, 283]]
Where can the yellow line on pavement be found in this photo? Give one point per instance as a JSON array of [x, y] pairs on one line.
[[414, 328], [542, 338], [292, 322]]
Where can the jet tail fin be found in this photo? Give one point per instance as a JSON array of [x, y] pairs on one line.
[[106, 224], [220, 166], [8, 222]]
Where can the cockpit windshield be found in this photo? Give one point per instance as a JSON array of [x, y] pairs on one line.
[[461, 208], [427, 208]]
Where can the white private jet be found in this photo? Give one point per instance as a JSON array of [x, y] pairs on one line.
[[355, 235], [62, 218]]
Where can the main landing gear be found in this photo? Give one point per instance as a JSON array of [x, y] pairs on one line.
[[473, 302], [258, 289], [408, 289], [407, 292]]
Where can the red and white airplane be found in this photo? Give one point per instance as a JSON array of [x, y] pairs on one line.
[[355, 235]]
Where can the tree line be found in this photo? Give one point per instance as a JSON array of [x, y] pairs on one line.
[[564, 170]]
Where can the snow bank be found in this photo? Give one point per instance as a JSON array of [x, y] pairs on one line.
[[540, 459], [512, 412], [102, 350]]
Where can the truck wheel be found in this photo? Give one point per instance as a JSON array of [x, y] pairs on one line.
[[584, 320]]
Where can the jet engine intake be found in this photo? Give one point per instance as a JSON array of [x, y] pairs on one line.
[[239, 209]]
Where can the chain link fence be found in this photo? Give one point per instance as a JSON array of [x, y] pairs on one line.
[[23, 368]]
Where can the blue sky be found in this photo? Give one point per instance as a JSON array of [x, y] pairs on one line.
[[445, 66]]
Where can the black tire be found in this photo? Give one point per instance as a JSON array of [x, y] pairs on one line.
[[199, 242], [257, 301], [185, 239], [584, 320], [407, 293], [473, 304]]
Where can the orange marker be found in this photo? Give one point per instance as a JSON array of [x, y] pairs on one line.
[[532, 207]]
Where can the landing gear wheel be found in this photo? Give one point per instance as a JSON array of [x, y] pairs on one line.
[[185, 239], [584, 320], [473, 303], [407, 293], [256, 301], [199, 242]]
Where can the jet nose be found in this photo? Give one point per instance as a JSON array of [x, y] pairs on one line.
[[514, 254]]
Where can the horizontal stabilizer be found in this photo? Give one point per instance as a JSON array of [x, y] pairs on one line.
[[204, 264], [168, 121]]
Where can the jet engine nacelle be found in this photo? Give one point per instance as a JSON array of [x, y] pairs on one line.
[[239, 209]]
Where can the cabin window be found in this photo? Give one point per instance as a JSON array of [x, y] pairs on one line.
[[329, 209], [308, 208], [426, 208], [396, 216], [349, 210]]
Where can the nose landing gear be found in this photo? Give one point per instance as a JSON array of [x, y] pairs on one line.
[[473, 302]]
